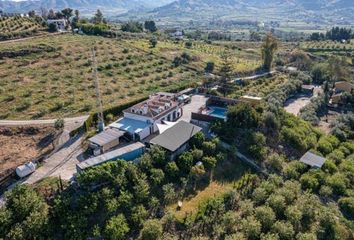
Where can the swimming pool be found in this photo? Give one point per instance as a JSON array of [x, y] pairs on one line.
[[217, 112]]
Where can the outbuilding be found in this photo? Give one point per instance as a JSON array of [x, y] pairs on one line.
[[175, 139], [105, 140], [312, 160], [129, 152]]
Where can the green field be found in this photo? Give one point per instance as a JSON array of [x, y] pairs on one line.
[[245, 56], [328, 46], [52, 76], [56, 79], [19, 27], [260, 87]]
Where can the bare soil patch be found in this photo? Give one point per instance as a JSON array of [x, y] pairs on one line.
[[295, 104], [326, 121], [22, 144]]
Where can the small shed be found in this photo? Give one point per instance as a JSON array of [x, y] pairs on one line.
[[313, 160], [105, 140], [251, 100], [343, 86]]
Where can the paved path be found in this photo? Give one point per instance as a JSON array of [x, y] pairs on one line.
[[53, 165], [63, 160]]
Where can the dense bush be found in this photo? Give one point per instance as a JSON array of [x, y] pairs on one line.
[[343, 127], [298, 134], [243, 116], [113, 200], [133, 27], [312, 111], [277, 97], [94, 29], [347, 205], [284, 212]]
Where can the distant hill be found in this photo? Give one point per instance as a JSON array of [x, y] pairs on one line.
[[114, 7], [191, 8], [192, 5], [248, 8]]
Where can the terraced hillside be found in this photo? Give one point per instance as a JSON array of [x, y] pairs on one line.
[[18, 27], [51, 76], [244, 56], [328, 46]]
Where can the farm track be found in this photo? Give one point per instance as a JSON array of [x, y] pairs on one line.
[[17, 123], [33, 37]]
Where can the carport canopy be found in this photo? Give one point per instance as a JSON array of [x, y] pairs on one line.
[[106, 136]]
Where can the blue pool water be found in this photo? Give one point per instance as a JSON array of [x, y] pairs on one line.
[[218, 112]]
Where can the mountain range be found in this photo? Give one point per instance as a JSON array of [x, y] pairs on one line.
[[197, 6], [189, 8], [114, 7]]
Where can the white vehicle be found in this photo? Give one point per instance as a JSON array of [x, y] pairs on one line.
[[26, 169]]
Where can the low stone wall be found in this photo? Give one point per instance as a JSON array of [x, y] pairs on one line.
[[203, 117]]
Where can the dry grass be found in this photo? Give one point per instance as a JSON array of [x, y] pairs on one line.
[[20, 145], [190, 206], [226, 174]]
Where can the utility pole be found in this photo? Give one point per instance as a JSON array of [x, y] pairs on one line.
[[100, 123]]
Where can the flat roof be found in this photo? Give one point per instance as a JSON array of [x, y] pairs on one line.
[[177, 135], [130, 125], [106, 136], [250, 97], [308, 87], [313, 160], [110, 155]]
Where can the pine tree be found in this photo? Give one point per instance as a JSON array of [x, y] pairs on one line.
[[269, 47]]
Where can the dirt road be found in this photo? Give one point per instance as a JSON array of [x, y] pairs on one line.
[[53, 165], [16, 123], [294, 105], [28, 38]]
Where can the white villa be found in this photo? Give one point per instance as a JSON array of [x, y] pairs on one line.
[[142, 119]]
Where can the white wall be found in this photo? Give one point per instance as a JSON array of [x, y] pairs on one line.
[[145, 119], [144, 133], [137, 117]]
